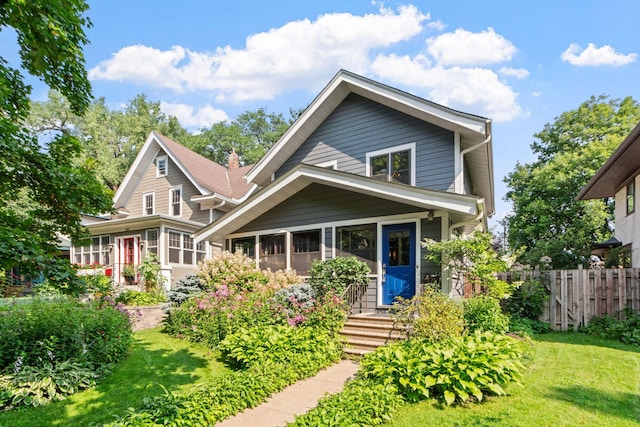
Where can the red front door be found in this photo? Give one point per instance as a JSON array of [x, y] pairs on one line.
[[129, 246]]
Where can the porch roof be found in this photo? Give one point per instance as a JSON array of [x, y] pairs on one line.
[[461, 207], [140, 223]]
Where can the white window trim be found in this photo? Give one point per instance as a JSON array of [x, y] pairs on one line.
[[144, 203], [331, 164], [166, 166], [411, 147], [177, 187]]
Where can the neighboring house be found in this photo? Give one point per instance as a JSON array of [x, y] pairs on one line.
[[168, 193], [619, 178], [370, 171]]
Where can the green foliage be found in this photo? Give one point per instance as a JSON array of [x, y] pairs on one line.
[[430, 316], [362, 403], [280, 344], [483, 313], [452, 371], [527, 300], [36, 386], [42, 331], [141, 298], [187, 287], [299, 305], [44, 186], [99, 284], [149, 269], [473, 259], [527, 327], [625, 329], [336, 274], [546, 219]]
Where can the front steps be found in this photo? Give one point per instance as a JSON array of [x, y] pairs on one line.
[[363, 333]]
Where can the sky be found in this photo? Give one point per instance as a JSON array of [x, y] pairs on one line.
[[521, 64]]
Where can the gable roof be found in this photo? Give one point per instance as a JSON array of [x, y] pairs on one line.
[[473, 130], [207, 176], [461, 207], [623, 164]]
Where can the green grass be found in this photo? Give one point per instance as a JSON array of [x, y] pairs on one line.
[[155, 358], [574, 380]]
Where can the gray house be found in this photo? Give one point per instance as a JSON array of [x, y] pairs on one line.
[[367, 171]]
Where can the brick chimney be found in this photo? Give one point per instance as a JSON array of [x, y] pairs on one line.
[[234, 160]]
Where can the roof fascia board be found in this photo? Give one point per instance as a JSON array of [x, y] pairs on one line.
[[133, 168]]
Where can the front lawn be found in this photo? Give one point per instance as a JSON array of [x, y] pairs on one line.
[[155, 358], [575, 379]]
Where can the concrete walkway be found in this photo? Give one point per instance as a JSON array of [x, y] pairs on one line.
[[296, 399]]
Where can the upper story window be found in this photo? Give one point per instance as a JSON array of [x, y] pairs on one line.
[[631, 197], [175, 201], [396, 164], [147, 200], [161, 166]]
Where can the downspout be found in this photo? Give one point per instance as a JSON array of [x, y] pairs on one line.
[[472, 221], [214, 207]]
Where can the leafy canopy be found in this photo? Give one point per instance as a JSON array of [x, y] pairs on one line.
[[547, 220], [43, 187]]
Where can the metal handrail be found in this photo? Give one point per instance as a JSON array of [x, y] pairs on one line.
[[353, 295]]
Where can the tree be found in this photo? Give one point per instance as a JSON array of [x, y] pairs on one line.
[[251, 135], [43, 188], [547, 220]]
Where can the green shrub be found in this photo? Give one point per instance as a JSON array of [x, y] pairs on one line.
[[152, 279], [187, 287], [483, 313], [454, 370], [527, 327], [36, 386], [626, 330], [47, 331], [362, 403], [527, 300], [431, 316], [99, 284], [140, 298], [335, 274], [280, 344]]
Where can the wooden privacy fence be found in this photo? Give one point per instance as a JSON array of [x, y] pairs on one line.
[[575, 296]]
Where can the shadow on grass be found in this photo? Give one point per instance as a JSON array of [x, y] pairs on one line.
[[622, 405], [137, 377], [578, 338]]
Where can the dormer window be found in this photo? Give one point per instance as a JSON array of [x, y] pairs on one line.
[[161, 166], [396, 164]]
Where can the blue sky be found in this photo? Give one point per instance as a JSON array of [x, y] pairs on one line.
[[519, 63]]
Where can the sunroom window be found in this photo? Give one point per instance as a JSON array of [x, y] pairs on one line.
[[305, 249], [358, 241]]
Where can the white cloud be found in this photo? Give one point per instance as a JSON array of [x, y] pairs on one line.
[[596, 56], [189, 117], [476, 90], [466, 48], [518, 73], [298, 54]]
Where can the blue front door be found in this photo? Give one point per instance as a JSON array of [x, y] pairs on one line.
[[398, 262]]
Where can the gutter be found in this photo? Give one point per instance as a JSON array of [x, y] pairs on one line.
[[472, 221]]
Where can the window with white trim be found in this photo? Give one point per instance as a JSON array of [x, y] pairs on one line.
[[245, 245], [358, 241], [175, 200], [161, 166], [175, 247], [631, 197], [182, 249], [148, 203], [272, 252], [201, 251], [95, 254], [187, 249], [152, 241], [305, 248], [396, 164]]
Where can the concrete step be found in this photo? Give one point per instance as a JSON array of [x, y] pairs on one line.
[[362, 334]]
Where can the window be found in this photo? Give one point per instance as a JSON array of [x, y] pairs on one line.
[[96, 253], [161, 166], [272, 252], [631, 197], [305, 249], [246, 245], [152, 241], [187, 249], [394, 165], [201, 251], [176, 201], [148, 203], [358, 241], [175, 247]]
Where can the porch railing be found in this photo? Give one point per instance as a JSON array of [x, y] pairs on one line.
[[354, 296]]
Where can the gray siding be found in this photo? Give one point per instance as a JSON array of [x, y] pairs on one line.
[[359, 126], [160, 187], [328, 242], [431, 230], [318, 203]]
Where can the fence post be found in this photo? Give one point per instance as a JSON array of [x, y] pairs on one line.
[[552, 300]]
